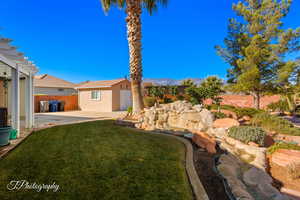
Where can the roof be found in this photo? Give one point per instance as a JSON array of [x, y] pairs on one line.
[[99, 84], [49, 81]]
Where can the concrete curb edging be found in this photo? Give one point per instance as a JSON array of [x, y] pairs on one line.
[[194, 179]]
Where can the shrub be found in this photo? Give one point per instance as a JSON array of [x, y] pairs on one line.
[[219, 115], [281, 106], [282, 145], [180, 97], [240, 112], [275, 123], [129, 110], [167, 100], [293, 170], [149, 101], [248, 134]]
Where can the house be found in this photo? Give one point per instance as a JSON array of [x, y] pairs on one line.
[[52, 86], [16, 85], [104, 96]]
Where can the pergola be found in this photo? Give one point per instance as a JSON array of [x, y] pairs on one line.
[[21, 68]]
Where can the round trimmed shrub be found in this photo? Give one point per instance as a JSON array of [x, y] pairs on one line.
[[248, 134], [149, 101]]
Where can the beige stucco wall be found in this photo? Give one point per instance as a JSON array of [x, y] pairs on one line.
[[110, 98], [87, 104]]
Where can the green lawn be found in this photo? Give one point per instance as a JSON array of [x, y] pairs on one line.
[[97, 160]]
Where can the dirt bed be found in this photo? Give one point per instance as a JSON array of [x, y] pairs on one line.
[[204, 164]]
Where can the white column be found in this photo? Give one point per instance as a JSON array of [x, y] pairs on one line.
[[29, 101], [15, 105]]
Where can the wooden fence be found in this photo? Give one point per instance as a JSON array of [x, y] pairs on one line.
[[71, 102]]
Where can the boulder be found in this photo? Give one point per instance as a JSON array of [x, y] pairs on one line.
[[203, 140], [207, 117], [229, 168], [225, 123], [179, 114], [219, 133], [285, 157]]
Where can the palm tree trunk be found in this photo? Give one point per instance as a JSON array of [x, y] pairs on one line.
[[134, 34]]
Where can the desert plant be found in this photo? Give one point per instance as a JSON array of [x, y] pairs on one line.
[[248, 134], [149, 101], [282, 145], [219, 115], [129, 110], [180, 97], [240, 112], [293, 170], [281, 106], [275, 123]]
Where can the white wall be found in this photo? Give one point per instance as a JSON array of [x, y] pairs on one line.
[[54, 91]]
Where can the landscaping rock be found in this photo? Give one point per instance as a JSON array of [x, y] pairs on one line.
[[203, 140], [219, 133], [284, 157], [288, 138], [235, 147], [230, 169], [225, 123], [179, 114]]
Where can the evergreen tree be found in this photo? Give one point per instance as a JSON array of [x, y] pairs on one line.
[[257, 47]]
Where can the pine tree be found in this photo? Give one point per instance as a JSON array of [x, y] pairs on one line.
[[256, 47]]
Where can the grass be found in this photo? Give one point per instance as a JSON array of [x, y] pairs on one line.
[[282, 145], [97, 160], [274, 123], [240, 112]]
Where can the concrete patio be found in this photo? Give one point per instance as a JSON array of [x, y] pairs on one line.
[[59, 118]]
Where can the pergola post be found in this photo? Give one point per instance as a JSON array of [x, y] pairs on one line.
[[15, 92], [29, 101]]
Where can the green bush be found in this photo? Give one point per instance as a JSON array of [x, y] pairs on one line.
[[149, 101], [129, 110], [275, 123], [219, 115], [248, 134], [240, 112], [282, 145], [280, 106]]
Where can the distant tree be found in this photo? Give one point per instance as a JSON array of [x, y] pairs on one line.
[[256, 48], [134, 10], [214, 85], [188, 82], [210, 88]]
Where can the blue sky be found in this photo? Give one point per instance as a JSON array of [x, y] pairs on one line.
[[75, 40]]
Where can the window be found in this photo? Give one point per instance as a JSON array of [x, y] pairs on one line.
[[95, 95], [61, 90]]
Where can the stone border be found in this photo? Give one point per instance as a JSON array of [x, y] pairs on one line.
[[197, 187]]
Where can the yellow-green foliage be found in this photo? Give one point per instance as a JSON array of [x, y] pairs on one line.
[[149, 101], [275, 123], [282, 145]]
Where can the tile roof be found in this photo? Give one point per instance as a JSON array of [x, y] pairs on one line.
[[49, 81], [97, 84]]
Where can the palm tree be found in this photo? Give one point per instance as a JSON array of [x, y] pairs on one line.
[[134, 34]]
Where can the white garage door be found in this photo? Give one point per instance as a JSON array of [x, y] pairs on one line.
[[125, 99]]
